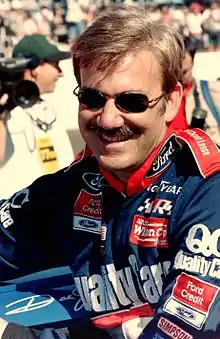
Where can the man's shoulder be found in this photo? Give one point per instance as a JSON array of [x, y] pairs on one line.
[[69, 177], [198, 153], [83, 162]]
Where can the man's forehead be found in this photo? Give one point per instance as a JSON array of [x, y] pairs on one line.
[[187, 58], [142, 63]]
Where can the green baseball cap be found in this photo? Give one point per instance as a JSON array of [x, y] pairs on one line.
[[38, 45]]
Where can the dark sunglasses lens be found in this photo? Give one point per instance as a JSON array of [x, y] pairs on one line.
[[91, 98], [132, 102]]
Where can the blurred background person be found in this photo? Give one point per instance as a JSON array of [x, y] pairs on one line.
[[44, 19], [211, 26], [200, 104], [58, 26], [194, 21], [29, 25], [36, 142], [3, 129], [75, 19]]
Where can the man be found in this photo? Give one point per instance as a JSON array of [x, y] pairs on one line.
[[180, 120], [211, 25], [75, 19], [194, 21], [35, 141], [201, 99], [136, 216]]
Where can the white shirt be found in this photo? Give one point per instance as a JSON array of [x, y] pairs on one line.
[[74, 12], [194, 23], [23, 163], [29, 27]]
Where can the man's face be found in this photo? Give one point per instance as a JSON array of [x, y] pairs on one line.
[[47, 75], [187, 69], [122, 141]]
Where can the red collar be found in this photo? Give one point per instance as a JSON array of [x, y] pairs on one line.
[[187, 88], [203, 149], [145, 175]]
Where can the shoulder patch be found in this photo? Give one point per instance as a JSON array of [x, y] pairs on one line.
[[204, 150]]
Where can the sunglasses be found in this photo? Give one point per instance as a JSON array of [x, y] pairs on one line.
[[132, 102]]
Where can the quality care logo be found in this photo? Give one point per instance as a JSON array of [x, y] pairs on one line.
[[201, 240], [203, 245]]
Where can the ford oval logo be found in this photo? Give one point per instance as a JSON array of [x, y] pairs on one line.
[[87, 223], [185, 313]]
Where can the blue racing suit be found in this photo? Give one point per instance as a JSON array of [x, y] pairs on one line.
[[144, 256]]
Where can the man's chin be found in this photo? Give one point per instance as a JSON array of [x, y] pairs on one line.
[[109, 166], [116, 165]]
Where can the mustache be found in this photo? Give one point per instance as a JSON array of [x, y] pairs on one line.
[[124, 130]]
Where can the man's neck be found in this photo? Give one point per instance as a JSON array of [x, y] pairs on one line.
[[124, 176]]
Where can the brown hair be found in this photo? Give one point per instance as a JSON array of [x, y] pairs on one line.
[[120, 30]]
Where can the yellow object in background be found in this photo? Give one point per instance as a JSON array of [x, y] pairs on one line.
[[47, 155]]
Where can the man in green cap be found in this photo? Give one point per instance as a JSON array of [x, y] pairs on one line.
[[46, 74], [36, 142]]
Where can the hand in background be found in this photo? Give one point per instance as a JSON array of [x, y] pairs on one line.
[[3, 101], [3, 325], [3, 127]]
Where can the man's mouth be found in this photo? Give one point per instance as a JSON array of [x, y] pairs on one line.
[[115, 135]]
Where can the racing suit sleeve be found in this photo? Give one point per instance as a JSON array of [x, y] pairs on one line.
[[28, 242], [13, 331], [190, 301]]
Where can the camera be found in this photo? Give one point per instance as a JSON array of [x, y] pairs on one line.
[[199, 114], [24, 93], [198, 118]]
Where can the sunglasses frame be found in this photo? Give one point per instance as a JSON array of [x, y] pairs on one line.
[[106, 96]]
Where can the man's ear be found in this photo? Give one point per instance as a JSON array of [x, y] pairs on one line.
[[31, 74], [174, 98]]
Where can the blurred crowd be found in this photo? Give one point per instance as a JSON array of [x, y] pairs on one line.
[[200, 23], [63, 21]]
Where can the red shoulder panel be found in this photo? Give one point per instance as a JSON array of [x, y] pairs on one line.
[[204, 150]]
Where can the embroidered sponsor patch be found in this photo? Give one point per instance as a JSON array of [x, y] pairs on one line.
[[89, 205], [204, 150], [149, 232], [197, 264], [201, 240], [94, 180], [5, 217], [164, 157], [87, 212], [191, 300], [157, 206], [86, 224], [172, 330], [15, 202], [194, 292]]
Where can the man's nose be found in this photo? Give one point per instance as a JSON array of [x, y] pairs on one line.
[[110, 116], [60, 71]]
